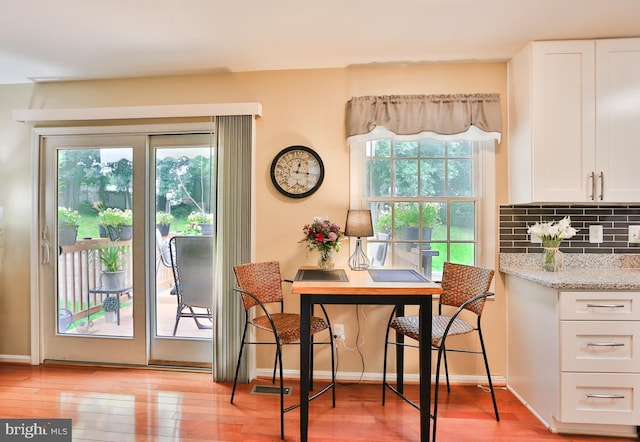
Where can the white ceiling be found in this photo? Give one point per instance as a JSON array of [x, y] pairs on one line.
[[51, 40]]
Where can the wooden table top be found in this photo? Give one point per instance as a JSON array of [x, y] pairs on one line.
[[361, 282]]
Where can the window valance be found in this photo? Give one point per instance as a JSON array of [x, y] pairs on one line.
[[441, 115]]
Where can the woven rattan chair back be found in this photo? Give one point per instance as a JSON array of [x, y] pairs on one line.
[[262, 280], [462, 282]]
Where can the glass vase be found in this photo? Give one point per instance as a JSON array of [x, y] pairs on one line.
[[552, 259], [326, 259]]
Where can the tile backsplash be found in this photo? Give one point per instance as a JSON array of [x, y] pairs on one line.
[[615, 220]]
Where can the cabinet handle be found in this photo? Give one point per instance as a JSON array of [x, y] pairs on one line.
[[605, 396], [605, 305], [592, 197], [601, 186], [605, 344]]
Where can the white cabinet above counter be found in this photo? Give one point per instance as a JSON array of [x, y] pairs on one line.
[[574, 108]]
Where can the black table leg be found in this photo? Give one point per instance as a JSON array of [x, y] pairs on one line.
[[400, 353], [305, 340], [425, 369]]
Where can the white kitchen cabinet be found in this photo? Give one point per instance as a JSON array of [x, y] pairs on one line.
[[618, 118], [573, 357], [599, 357], [573, 113]]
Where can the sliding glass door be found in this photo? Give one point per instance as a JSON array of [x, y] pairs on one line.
[[184, 201], [109, 207]]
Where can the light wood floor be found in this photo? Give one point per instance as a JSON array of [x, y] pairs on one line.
[[128, 404]]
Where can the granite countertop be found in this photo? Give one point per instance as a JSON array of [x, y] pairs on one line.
[[581, 272]]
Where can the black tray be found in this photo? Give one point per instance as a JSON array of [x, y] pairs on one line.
[[337, 275], [396, 275]]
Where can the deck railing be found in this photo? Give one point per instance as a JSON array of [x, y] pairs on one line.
[[79, 270]]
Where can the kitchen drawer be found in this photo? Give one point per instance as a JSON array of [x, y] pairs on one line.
[[600, 346], [590, 306], [600, 398]]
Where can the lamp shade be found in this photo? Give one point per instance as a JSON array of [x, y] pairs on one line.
[[359, 223]]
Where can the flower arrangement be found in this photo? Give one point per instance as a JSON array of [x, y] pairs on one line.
[[322, 235], [68, 217], [200, 218], [164, 218], [553, 232], [115, 217]]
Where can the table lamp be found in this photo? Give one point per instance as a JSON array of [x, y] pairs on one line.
[[358, 224]]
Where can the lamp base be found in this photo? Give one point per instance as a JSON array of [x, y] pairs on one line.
[[358, 261]]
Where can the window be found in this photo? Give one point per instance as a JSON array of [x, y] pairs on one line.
[[425, 200]]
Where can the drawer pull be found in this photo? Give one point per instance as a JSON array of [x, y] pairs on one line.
[[605, 305], [605, 344], [605, 396]]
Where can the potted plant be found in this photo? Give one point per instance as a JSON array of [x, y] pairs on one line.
[[117, 223], [163, 222], [112, 262], [111, 305], [126, 226], [68, 222], [407, 221], [202, 219]]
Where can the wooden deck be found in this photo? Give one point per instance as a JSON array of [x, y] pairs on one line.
[[166, 317]]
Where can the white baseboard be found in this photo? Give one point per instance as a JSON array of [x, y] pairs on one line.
[[16, 359]]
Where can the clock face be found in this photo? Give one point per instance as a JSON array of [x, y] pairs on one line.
[[297, 171]]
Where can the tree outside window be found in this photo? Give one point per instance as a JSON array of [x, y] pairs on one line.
[[423, 200]]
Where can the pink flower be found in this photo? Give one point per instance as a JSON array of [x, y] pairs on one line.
[[322, 235]]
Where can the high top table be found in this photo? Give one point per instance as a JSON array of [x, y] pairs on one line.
[[397, 287]]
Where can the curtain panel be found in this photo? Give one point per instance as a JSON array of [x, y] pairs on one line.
[[233, 241], [415, 114]]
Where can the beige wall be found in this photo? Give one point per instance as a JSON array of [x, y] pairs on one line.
[[299, 107]]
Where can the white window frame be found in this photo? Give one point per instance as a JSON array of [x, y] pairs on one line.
[[486, 209]]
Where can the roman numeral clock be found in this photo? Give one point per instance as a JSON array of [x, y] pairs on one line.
[[297, 171]]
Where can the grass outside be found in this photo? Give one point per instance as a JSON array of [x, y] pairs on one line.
[[89, 223], [463, 253]]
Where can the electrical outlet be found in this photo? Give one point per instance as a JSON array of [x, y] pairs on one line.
[[338, 332], [595, 234], [634, 234]]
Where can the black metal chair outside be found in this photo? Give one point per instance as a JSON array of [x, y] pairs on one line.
[[192, 264]]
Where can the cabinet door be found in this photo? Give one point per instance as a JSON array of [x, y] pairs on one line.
[[564, 120], [618, 115]]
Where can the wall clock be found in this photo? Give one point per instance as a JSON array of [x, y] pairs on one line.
[[297, 171]]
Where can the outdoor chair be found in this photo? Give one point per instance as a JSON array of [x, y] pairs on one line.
[[260, 284], [464, 288], [378, 251], [164, 254], [192, 264]]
